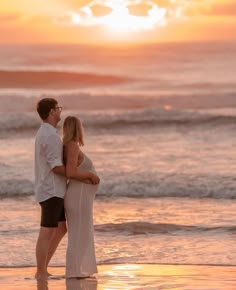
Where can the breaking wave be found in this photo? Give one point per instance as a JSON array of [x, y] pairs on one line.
[[178, 187], [141, 228], [113, 120]]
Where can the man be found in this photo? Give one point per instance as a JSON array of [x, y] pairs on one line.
[[50, 184]]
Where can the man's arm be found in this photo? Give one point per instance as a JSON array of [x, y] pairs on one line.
[[61, 170]]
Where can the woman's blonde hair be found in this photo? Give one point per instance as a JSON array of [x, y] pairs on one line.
[[73, 130]]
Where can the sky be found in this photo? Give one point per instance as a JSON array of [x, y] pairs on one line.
[[102, 21]]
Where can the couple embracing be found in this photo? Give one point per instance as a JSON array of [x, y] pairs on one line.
[[65, 186]]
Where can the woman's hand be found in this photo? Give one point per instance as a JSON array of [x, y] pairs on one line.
[[93, 178]]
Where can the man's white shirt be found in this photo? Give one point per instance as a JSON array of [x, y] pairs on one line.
[[48, 154]]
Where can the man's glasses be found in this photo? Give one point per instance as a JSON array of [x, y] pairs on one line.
[[58, 108]]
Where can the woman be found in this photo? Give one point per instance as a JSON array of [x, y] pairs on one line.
[[80, 256]]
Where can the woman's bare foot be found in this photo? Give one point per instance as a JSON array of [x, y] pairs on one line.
[[41, 276]]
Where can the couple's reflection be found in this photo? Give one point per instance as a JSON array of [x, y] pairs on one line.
[[71, 284], [81, 284]]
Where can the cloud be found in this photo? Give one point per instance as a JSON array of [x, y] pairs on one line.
[[80, 3], [139, 9], [100, 10], [140, 14], [209, 8], [223, 9], [9, 18], [40, 20], [151, 13]]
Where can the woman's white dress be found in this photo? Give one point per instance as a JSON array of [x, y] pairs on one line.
[[80, 256]]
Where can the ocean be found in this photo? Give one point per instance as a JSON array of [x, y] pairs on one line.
[[160, 123]]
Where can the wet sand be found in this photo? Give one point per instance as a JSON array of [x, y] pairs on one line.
[[127, 276]]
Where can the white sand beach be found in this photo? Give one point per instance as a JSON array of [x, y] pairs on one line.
[[127, 276]]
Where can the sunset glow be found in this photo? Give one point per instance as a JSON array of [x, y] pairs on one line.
[[86, 21], [120, 19]]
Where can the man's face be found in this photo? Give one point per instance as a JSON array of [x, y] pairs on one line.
[[57, 113]]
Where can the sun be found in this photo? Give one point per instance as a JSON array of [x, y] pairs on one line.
[[119, 18]]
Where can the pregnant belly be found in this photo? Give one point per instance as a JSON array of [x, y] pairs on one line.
[[92, 188]]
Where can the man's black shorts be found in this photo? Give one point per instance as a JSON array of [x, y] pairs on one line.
[[52, 212]]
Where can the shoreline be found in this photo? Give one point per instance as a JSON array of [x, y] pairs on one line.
[[133, 263], [127, 276]]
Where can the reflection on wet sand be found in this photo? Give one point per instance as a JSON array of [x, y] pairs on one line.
[[42, 285], [81, 284], [71, 284], [126, 276]]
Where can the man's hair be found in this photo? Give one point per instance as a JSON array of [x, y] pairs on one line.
[[44, 107]]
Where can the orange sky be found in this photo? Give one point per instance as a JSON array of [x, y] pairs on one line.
[[99, 21]]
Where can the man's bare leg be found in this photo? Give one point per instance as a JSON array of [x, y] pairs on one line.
[[58, 234], [42, 249]]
